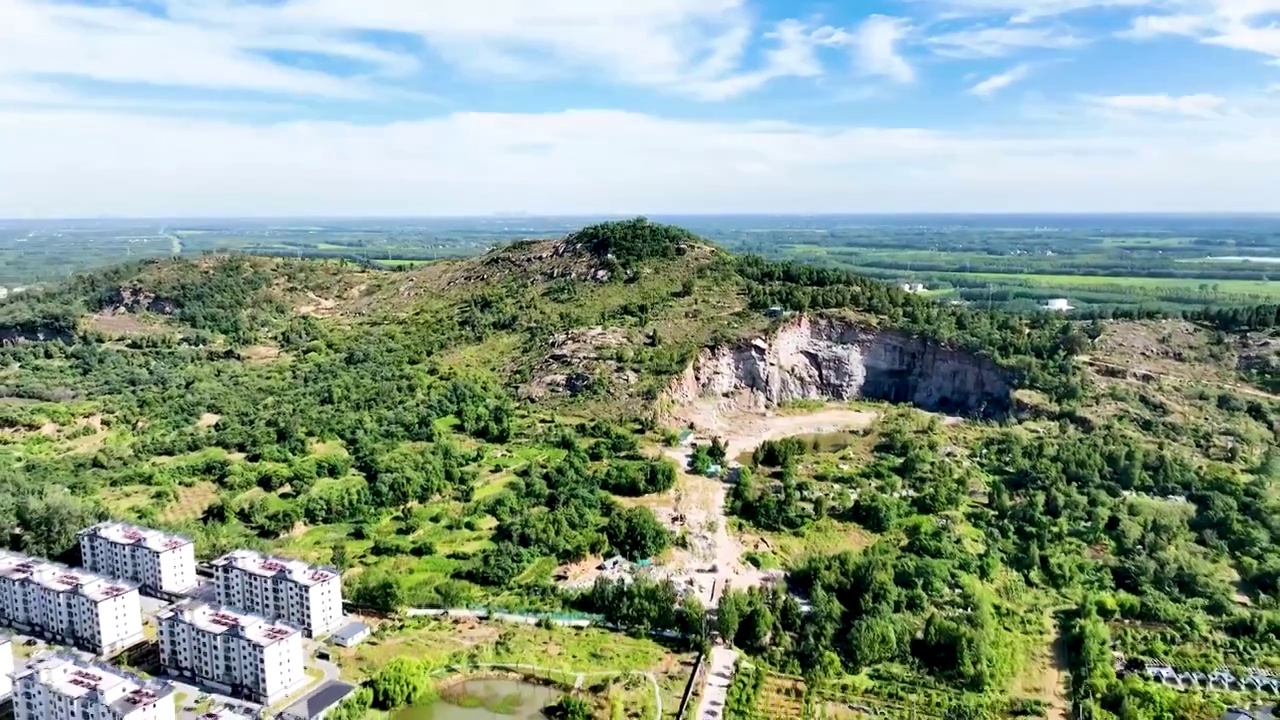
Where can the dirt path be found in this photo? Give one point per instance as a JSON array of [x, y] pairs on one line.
[[1059, 678], [703, 499], [716, 690]]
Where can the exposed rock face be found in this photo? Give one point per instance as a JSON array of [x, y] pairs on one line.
[[575, 360], [13, 335], [811, 358], [134, 299]]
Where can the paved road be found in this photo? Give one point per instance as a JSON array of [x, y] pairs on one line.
[[192, 693], [331, 671], [719, 676]]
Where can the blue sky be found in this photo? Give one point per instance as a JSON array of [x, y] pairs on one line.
[[447, 107]]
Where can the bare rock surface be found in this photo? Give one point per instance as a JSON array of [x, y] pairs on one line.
[[823, 359]]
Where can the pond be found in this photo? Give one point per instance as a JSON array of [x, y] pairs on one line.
[[485, 700], [831, 442]]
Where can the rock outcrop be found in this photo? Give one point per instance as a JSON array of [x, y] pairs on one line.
[[135, 300], [15, 334], [822, 359]]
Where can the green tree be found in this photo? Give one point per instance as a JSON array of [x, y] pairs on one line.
[[338, 555], [872, 639], [403, 681], [729, 614], [636, 534], [376, 589]]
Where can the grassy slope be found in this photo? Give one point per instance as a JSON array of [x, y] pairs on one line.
[[345, 298]]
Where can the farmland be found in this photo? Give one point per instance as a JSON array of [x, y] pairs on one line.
[[1098, 263]]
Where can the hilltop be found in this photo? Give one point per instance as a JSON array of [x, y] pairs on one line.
[[614, 310]]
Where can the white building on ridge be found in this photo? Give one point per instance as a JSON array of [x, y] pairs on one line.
[[305, 596], [159, 562], [242, 654], [59, 687], [73, 607]]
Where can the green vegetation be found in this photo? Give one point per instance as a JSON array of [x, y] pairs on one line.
[[404, 681], [1150, 532], [633, 241], [450, 435]]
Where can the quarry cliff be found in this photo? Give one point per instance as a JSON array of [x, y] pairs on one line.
[[809, 358]]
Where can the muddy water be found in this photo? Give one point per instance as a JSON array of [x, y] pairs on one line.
[[826, 442], [485, 700]]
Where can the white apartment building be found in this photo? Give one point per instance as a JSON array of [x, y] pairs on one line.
[[159, 562], [73, 607], [6, 667], [302, 595], [235, 652], [59, 687]]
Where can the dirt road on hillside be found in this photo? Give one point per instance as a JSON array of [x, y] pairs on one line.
[[703, 499]]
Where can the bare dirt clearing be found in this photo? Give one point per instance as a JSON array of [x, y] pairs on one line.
[[701, 500], [122, 324]]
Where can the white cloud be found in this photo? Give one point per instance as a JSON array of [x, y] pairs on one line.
[[792, 56], [1241, 36], [1028, 10], [1197, 106], [1148, 26], [875, 47], [616, 162], [1000, 81], [693, 47], [121, 45], [1238, 24], [991, 42]]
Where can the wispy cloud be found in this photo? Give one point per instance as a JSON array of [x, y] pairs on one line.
[[1020, 11], [1000, 81], [993, 42], [123, 45], [698, 48], [875, 45], [1246, 25], [1197, 106], [793, 55]]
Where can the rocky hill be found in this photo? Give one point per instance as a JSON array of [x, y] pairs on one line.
[[613, 313], [817, 358]]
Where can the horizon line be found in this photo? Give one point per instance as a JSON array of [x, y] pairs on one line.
[[576, 216]]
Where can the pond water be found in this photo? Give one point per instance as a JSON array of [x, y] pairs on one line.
[[823, 442], [485, 700]]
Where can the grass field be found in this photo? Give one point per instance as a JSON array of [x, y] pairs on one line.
[[1226, 287], [825, 536], [442, 642], [402, 263]]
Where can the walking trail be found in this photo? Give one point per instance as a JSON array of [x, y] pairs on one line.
[[741, 433]]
